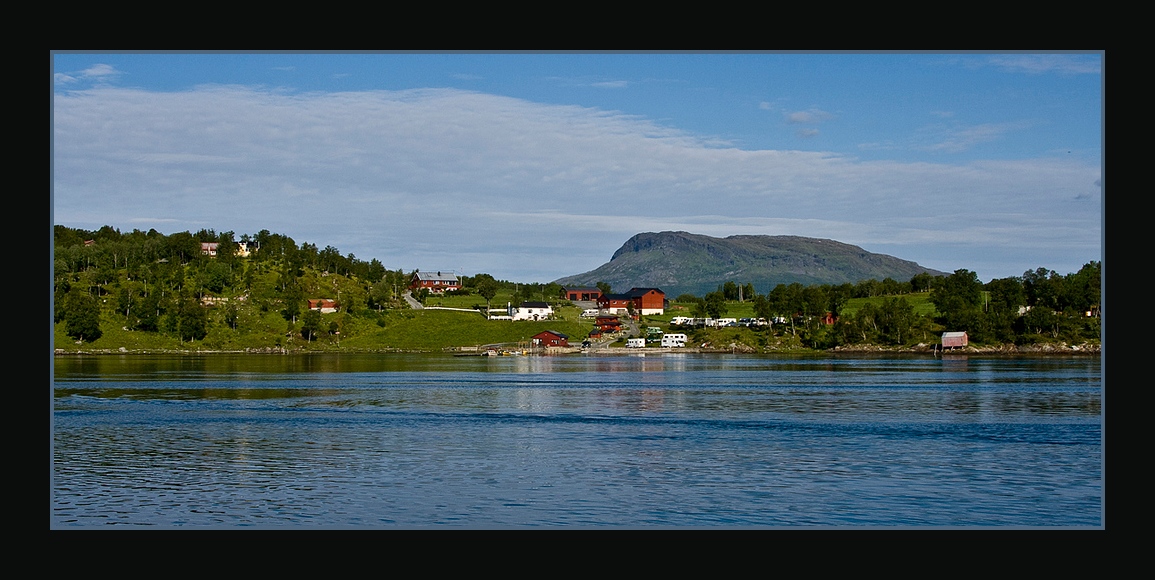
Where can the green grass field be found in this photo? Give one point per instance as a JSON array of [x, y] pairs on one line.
[[919, 300], [439, 329]]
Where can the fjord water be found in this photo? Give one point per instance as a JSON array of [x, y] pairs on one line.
[[416, 441]]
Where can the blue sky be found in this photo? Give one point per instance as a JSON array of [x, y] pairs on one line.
[[532, 167]]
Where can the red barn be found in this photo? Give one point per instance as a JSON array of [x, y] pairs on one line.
[[644, 301], [578, 294]]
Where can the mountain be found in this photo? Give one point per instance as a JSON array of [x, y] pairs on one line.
[[681, 262]]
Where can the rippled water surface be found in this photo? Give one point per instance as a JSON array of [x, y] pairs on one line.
[[413, 441]]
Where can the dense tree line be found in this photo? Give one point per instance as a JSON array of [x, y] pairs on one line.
[[151, 282], [1039, 306]]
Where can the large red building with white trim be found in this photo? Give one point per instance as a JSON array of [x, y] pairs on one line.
[[645, 301]]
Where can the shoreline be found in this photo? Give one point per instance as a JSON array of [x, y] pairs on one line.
[[1085, 349]]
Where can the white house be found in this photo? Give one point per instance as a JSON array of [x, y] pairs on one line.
[[532, 311]]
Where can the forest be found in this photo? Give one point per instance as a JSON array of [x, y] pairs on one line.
[[163, 289]]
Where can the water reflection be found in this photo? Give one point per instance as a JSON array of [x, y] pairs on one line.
[[419, 441]]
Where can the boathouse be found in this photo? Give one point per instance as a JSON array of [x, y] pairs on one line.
[[550, 338], [954, 339]]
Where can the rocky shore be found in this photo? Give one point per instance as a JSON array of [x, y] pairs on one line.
[[1046, 348], [733, 348]]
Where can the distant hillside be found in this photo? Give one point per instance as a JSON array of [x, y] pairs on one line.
[[680, 262]]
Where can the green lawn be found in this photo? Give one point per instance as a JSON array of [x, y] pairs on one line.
[[437, 329], [919, 300]]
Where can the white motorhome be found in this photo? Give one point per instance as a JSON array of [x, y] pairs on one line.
[[635, 343], [673, 340]]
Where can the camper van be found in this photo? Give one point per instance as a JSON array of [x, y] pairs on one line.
[[673, 340], [636, 343]]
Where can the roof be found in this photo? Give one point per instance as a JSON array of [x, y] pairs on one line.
[[581, 288], [959, 334], [553, 332], [632, 293], [434, 275], [533, 305]]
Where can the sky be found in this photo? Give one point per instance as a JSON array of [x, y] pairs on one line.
[[536, 166]]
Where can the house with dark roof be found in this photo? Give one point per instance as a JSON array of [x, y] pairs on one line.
[[532, 311], [608, 323], [644, 301], [550, 338]]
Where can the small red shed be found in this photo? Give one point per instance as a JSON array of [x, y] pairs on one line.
[[954, 339]]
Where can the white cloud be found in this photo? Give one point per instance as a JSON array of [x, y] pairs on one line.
[[97, 73], [958, 139], [1044, 63], [809, 117], [100, 71], [430, 178]]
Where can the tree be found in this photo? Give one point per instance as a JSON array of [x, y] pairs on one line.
[[1082, 290], [895, 317], [125, 300], [730, 291], [148, 313], [380, 293], [487, 288], [762, 307], [715, 304], [231, 314], [957, 299], [921, 282], [604, 287], [291, 297], [748, 292], [310, 324], [187, 319], [82, 315]]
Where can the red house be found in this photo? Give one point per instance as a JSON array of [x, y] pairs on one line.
[[435, 282], [325, 305], [550, 338], [644, 301], [608, 323]]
